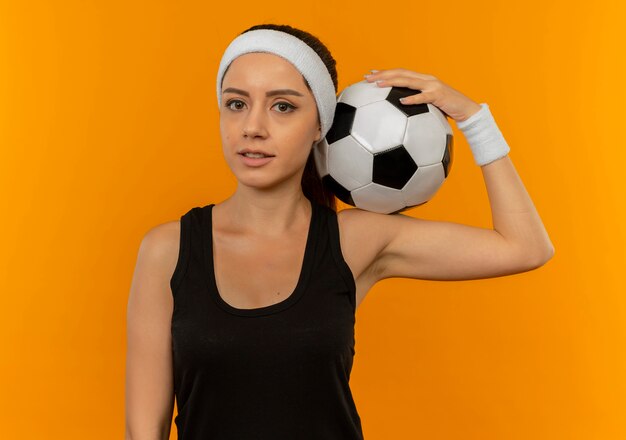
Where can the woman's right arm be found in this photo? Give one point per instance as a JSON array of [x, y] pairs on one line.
[[149, 371]]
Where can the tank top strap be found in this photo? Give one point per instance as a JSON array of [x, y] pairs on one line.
[[332, 228], [189, 248]]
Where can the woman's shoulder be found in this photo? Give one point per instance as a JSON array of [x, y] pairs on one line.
[[356, 224], [361, 240], [161, 243]]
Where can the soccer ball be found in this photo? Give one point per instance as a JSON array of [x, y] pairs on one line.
[[382, 156]]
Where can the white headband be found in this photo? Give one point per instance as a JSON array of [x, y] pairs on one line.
[[298, 53]]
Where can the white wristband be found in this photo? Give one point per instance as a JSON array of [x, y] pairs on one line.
[[483, 136]]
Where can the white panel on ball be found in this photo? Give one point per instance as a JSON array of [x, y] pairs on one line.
[[363, 93], [425, 139], [438, 114], [423, 184], [369, 119], [320, 155], [349, 163], [377, 198]]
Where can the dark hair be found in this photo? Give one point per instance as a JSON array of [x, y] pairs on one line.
[[312, 186]]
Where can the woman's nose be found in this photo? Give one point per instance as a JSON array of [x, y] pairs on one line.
[[255, 123]]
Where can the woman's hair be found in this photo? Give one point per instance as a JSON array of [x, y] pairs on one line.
[[312, 185]]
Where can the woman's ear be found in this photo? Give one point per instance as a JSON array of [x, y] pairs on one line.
[[319, 134]]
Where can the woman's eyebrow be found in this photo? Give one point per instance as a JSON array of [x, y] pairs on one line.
[[270, 93]]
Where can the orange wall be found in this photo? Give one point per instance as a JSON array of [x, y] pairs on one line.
[[109, 126]]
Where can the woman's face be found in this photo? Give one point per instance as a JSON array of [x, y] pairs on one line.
[[284, 124]]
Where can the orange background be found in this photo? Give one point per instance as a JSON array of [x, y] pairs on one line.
[[109, 126]]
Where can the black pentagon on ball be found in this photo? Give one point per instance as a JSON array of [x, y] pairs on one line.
[[448, 155], [408, 109], [338, 189], [393, 168], [342, 122]]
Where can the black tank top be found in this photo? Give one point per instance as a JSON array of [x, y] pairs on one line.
[[276, 372]]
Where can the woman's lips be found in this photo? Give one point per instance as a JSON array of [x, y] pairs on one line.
[[255, 161]]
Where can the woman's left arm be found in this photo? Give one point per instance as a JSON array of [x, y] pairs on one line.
[[514, 215]]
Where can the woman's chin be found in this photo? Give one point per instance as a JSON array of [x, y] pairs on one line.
[[258, 182], [266, 181]]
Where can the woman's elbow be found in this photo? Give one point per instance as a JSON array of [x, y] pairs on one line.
[[543, 257]]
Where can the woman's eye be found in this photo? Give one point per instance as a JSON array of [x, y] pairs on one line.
[[284, 106], [289, 106], [234, 101]]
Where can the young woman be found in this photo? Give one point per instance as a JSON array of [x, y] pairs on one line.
[[244, 310]]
